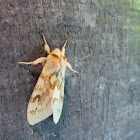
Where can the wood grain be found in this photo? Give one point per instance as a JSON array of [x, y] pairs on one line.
[[102, 101]]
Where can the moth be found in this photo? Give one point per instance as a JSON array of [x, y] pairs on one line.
[[48, 94]]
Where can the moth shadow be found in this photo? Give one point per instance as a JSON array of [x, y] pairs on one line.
[[46, 129], [34, 74]]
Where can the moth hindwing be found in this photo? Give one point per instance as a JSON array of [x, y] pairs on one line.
[[48, 94]]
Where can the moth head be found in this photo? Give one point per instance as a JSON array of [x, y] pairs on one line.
[[58, 53]]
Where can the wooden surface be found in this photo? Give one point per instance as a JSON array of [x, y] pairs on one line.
[[102, 102]]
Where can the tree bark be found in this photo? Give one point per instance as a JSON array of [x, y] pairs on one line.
[[102, 102]]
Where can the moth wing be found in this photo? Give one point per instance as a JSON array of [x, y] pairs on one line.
[[58, 96], [39, 107]]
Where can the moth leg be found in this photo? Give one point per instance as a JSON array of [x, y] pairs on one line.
[[70, 67], [46, 46], [63, 48], [37, 61]]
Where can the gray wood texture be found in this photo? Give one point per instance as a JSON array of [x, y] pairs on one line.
[[102, 102]]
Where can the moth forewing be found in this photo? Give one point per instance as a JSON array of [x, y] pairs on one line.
[[39, 107], [58, 95]]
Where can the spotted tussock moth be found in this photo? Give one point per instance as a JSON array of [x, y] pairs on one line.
[[48, 94]]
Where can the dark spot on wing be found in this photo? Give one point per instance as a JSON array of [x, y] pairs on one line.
[[32, 100], [54, 100]]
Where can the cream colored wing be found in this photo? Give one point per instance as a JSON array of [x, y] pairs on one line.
[[58, 96], [39, 107]]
